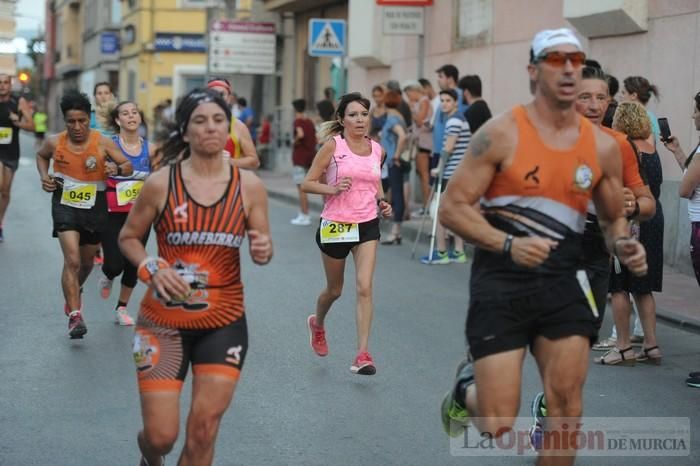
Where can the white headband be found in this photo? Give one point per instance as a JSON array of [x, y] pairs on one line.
[[551, 37]]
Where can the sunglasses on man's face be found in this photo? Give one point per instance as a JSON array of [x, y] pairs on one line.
[[559, 59]]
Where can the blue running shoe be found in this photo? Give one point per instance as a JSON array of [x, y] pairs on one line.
[[439, 258]]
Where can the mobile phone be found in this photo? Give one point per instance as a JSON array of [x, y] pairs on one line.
[[665, 131]]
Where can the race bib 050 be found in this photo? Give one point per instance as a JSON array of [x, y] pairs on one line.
[[128, 191]]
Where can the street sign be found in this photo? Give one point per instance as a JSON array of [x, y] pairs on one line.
[[109, 42], [179, 42], [242, 47], [405, 2], [327, 37], [402, 20]]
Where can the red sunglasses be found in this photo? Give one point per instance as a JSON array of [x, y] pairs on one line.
[[559, 59]]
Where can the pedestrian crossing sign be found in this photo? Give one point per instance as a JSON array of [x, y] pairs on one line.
[[327, 37]]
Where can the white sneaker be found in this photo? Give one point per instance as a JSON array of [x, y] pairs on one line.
[[122, 317], [105, 285], [301, 220]]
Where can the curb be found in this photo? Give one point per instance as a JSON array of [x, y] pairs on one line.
[[675, 320], [669, 318]]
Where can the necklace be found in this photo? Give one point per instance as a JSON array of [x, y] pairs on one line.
[[131, 147]]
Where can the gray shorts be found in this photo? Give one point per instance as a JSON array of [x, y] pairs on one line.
[[299, 173]]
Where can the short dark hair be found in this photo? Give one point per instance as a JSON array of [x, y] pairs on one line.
[[593, 63], [299, 105], [471, 83], [424, 82], [450, 71], [329, 92], [451, 92], [592, 72], [102, 83], [242, 102], [73, 99], [392, 99], [613, 85], [697, 101]]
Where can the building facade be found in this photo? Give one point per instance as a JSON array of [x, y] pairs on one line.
[[8, 63], [100, 44]]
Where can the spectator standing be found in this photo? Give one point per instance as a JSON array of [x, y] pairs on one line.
[[690, 189], [326, 107], [457, 137], [639, 89], [631, 119], [302, 157], [478, 111], [422, 112], [393, 140], [264, 138], [248, 117], [447, 76], [378, 113]]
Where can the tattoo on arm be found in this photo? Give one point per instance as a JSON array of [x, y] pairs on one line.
[[480, 144]]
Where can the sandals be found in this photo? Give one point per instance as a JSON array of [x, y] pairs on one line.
[[616, 357], [645, 357], [604, 345]]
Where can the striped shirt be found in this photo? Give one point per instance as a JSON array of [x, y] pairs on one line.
[[456, 126]]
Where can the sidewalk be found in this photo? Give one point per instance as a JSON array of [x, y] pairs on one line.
[[679, 304]]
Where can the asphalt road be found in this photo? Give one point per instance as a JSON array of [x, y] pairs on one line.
[[75, 402]]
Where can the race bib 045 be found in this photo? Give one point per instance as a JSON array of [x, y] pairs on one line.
[[128, 191], [339, 232], [79, 195]]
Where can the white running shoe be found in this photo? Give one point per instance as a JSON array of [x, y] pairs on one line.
[[105, 285], [301, 220], [122, 317]]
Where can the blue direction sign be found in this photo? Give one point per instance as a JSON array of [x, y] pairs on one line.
[[327, 37]]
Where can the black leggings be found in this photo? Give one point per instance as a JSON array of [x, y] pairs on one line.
[[114, 261]]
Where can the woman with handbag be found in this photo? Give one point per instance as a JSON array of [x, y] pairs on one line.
[[394, 139], [122, 191]]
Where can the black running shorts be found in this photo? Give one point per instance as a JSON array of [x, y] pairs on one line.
[[369, 231], [163, 355], [498, 324], [10, 162], [88, 222]]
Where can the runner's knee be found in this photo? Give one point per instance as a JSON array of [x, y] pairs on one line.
[[563, 397], [334, 292], [160, 440], [72, 263], [202, 429], [364, 289]]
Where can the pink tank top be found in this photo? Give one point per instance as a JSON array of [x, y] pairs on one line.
[[360, 203]]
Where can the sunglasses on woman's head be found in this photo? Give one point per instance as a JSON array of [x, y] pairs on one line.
[[559, 59]]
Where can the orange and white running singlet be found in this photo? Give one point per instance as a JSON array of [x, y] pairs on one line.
[[544, 192], [207, 329], [202, 244]]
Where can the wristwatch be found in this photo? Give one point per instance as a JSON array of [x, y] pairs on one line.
[[149, 266]]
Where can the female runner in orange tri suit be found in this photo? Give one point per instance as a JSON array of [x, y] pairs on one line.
[[201, 207]]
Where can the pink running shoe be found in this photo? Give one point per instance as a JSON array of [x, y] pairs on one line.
[[317, 337], [363, 364], [76, 325]]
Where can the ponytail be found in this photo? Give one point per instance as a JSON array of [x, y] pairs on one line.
[[328, 129]]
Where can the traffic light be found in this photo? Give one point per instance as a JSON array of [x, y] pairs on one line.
[[23, 77]]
